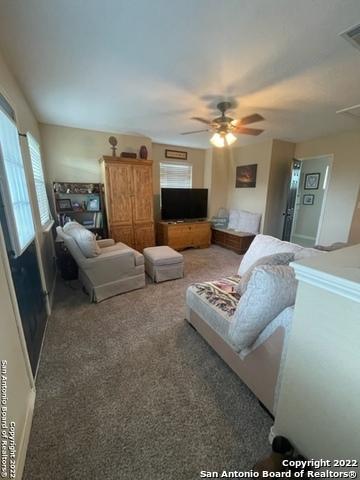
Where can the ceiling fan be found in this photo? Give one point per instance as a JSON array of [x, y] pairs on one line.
[[224, 127]]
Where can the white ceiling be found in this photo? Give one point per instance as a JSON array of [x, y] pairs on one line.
[[147, 66]]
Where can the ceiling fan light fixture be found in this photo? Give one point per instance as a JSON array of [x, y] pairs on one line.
[[217, 140], [230, 138]]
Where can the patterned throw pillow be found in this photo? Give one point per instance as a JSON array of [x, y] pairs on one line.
[[275, 259], [271, 289]]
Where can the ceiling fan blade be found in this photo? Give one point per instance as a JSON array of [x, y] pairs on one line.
[[255, 117], [247, 131], [194, 131], [203, 120]]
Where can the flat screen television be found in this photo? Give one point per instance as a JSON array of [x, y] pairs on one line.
[[183, 203]]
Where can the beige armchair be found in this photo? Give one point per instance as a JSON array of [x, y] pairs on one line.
[[116, 269]]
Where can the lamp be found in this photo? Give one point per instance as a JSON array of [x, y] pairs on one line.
[[230, 138], [217, 140], [221, 139]]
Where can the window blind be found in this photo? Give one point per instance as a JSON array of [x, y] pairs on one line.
[[14, 187], [175, 175], [40, 187]]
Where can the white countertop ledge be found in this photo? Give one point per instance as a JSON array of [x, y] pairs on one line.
[[337, 272]]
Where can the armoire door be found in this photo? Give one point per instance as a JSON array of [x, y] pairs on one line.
[[119, 184], [143, 194], [143, 212]]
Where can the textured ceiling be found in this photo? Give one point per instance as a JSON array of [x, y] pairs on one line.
[[147, 66]]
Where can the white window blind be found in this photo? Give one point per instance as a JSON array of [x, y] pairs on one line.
[[14, 188], [175, 175], [43, 203]]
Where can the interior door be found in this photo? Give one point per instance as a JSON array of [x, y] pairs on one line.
[[291, 199], [29, 293]]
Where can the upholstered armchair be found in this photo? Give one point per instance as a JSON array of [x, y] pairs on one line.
[[106, 268]]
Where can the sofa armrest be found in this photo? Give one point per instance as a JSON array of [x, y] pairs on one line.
[[110, 266], [106, 242]]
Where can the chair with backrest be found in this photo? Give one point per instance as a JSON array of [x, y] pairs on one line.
[[106, 268]]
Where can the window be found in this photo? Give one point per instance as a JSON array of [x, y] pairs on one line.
[[43, 203], [13, 186], [175, 175]]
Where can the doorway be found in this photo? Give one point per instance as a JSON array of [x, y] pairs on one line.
[[310, 199], [29, 293]]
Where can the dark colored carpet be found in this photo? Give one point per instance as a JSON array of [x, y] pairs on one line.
[[127, 389]]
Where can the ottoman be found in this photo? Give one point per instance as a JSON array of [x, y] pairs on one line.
[[163, 263]]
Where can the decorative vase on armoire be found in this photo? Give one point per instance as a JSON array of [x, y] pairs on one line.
[[143, 152], [129, 201]]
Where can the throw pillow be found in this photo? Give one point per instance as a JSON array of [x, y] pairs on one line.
[[86, 241], [269, 291], [248, 222], [233, 219], [70, 225], [276, 259]]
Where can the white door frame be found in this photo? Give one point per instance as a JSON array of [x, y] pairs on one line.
[[330, 158]]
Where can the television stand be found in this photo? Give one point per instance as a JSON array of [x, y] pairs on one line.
[[196, 234]]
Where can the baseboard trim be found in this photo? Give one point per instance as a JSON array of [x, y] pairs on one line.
[[24, 440]]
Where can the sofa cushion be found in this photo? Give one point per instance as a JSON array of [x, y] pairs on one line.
[[269, 291], [264, 245], [275, 259], [248, 222], [85, 240], [233, 219], [215, 302]]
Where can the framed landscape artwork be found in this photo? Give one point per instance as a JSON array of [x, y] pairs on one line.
[[246, 176]]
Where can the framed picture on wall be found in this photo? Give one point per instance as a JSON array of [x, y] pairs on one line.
[[308, 199], [312, 181], [246, 176], [176, 154]]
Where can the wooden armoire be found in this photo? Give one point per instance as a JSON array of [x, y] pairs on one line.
[[129, 200]]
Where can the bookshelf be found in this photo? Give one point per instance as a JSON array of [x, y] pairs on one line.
[[82, 202]]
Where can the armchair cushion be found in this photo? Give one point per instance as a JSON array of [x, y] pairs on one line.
[[85, 240], [105, 242]]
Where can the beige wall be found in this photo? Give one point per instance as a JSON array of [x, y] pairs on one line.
[[281, 156], [72, 154], [251, 199], [354, 237], [217, 173], [26, 122], [344, 181]]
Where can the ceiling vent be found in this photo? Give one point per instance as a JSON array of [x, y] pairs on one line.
[[352, 35], [353, 111]]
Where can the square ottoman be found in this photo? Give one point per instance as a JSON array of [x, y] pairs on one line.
[[163, 263]]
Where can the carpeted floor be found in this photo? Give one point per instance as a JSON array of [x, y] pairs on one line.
[[127, 389]]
